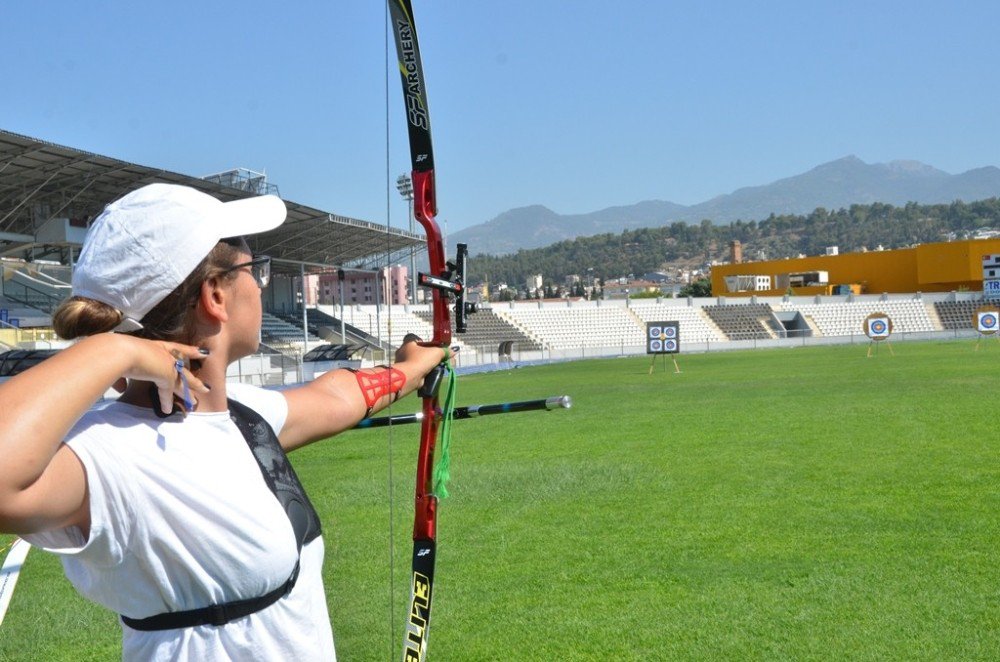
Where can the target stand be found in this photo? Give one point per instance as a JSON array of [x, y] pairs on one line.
[[985, 322], [878, 328], [663, 338], [652, 365]]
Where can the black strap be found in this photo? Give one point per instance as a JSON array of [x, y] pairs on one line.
[[277, 471], [213, 614], [284, 483]]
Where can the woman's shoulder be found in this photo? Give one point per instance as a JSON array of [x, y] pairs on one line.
[[269, 403], [108, 423], [112, 413]]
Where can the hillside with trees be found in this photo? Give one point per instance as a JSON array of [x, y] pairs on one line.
[[684, 245], [834, 185]]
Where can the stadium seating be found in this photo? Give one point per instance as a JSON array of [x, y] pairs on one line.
[[576, 326], [742, 321], [392, 323], [695, 326], [276, 330], [957, 315], [845, 318], [26, 316], [36, 287], [486, 329]]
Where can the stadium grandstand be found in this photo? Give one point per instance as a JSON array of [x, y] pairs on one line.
[[569, 329], [49, 194]]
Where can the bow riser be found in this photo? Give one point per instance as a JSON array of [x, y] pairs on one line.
[[423, 211], [424, 520]]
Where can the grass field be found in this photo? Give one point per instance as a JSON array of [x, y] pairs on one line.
[[806, 503]]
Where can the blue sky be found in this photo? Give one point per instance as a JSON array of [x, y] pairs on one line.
[[574, 105]]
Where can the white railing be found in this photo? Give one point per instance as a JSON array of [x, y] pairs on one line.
[[278, 370], [267, 370]]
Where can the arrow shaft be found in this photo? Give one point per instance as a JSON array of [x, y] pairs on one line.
[[473, 411]]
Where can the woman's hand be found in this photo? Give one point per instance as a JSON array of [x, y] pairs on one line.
[[167, 366], [413, 349]]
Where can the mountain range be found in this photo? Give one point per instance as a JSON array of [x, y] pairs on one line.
[[832, 185]]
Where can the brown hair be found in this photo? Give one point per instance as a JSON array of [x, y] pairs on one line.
[[170, 319]]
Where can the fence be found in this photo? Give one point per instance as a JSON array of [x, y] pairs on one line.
[[38, 288], [277, 370], [273, 369], [15, 337], [488, 356]]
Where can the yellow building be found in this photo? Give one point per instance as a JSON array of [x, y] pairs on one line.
[[939, 267]]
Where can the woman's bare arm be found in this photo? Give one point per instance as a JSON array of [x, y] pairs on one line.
[[42, 483], [335, 402]]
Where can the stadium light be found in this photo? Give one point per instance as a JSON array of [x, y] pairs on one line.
[[405, 187]]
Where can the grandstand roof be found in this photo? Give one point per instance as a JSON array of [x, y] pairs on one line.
[[40, 180]]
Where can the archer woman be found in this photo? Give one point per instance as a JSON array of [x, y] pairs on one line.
[[173, 505]]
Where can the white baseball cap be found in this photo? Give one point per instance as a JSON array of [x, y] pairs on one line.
[[143, 245]]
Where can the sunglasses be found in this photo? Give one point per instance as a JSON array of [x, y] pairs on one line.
[[260, 269]]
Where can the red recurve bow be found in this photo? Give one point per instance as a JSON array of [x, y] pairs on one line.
[[446, 282]]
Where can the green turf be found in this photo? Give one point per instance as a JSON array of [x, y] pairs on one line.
[[806, 503]]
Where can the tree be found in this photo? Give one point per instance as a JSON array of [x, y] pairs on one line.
[[778, 235], [699, 288]]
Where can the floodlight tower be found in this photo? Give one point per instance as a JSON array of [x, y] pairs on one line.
[[405, 187]]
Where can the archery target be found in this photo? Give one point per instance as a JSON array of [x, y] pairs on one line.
[[878, 326], [662, 337], [986, 321]]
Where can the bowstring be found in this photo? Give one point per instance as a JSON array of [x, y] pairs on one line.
[[388, 245]]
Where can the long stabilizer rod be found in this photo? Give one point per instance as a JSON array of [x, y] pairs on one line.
[[472, 411]]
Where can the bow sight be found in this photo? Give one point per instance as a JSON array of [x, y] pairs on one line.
[[451, 283]]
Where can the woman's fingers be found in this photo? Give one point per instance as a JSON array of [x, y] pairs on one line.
[[166, 399], [181, 384]]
